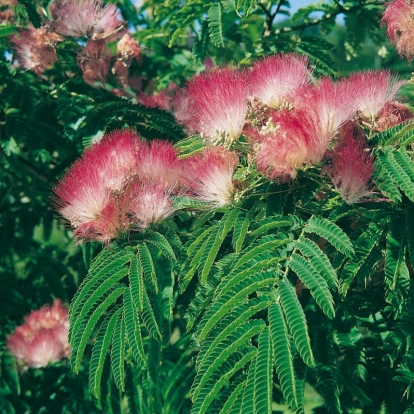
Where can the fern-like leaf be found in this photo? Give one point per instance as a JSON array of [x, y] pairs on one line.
[[159, 241], [215, 25], [103, 341], [213, 245], [150, 275], [315, 282], [331, 233], [136, 282], [226, 302], [133, 331], [118, 353], [264, 375], [81, 338], [296, 320], [283, 354], [319, 260], [207, 395], [210, 364]]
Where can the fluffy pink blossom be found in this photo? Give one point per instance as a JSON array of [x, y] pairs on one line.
[[218, 105], [36, 49], [275, 79], [372, 90], [43, 337], [398, 17], [86, 18], [329, 104], [157, 161], [351, 165], [159, 100], [90, 196], [209, 176], [150, 202], [180, 106], [282, 145]]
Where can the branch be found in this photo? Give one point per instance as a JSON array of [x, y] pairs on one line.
[[328, 16]]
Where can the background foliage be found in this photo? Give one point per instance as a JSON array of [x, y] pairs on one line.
[[218, 326]]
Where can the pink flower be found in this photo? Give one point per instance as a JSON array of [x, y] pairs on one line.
[[399, 21], [36, 49], [157, 161], [372, 90], [275, 79], [209, 176], [351, 165], [91, 195], [43, 338], [86, 18], [218, 105], [282, 145], [150, 203]]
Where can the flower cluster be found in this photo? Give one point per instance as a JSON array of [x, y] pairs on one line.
[[43, 337], [123, 183], [290, 119], [89, 21], [398, 17]]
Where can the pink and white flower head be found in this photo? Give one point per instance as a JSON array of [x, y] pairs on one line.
[[282, 145], [218, 105], [398, 17], [86, 18], [276, 79], [209, 176], [351, 165], [329, 104], [91, 195], [43, 337], [150, 203], [157, 161], [373, 89], [36, 49]]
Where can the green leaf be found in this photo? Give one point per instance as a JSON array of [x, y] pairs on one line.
[[395, 171], [158, 240], [263, 376], [319, 260], [149, 318], [200, 48], [213, 244], [7, 30], [240, 230], [118, 353], [136, 282], [210, 364], [296, 320], [102, 343], [269, 223], [150, 275], [315, 282], [133, 331], [215, 25], [368, 255], [82, 335], [331, 233], [226, 302], [233, 403], [208, 394], [283, 355]]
